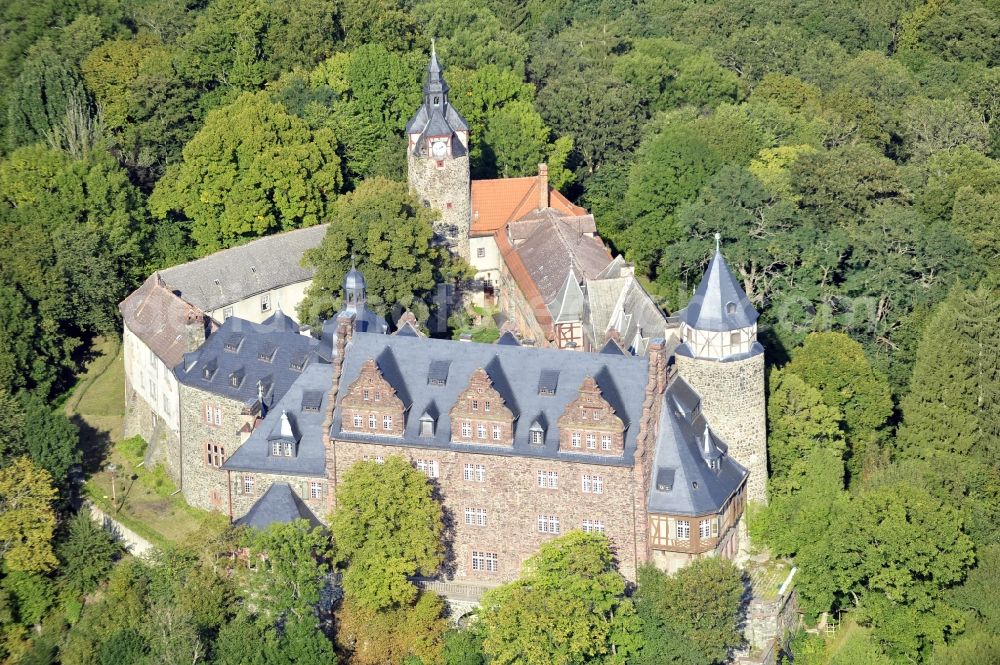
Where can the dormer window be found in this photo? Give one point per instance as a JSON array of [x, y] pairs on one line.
[[437, 375], [297, 363], [311, 400], [275, 448], [664, 479], [426, 426], [208, 372], [232, 343], [288, 449], [266, 354], [730, 307], [548, 380]]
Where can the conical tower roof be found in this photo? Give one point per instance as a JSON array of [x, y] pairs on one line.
[[720, 303]]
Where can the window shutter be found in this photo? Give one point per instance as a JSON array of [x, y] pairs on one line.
[[671, 528]]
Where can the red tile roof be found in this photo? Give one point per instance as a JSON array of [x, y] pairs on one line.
[[497, 202]]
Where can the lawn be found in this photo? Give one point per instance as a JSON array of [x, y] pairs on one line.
[[147, 503]]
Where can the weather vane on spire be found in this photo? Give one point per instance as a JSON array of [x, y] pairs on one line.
[[718, 237]]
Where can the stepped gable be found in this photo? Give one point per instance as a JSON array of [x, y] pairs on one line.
[[304, 409], [279, 505], [159, 318], [234, 274], [536, 384], [240, 354], [685, 450]]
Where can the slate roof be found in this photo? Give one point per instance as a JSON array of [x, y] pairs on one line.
[[158, 317], [280, 504], [234, 274], [568, 303], [498, 202], [621, 304], [306, 426], [515, 372], [269, 352], [719, 304], [681, 455], [440, 120]]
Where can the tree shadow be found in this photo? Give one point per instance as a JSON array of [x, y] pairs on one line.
[[94, 445]]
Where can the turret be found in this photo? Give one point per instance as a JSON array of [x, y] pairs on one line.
[[720, 357], [437, 158]]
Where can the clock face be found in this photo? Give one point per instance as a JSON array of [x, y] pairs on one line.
[[439, 148]]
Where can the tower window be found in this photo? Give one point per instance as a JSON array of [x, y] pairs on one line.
[[437, 101], [730, 307], [440, 163]]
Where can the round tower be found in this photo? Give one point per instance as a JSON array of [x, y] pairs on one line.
[[720, 357], [437, 159]]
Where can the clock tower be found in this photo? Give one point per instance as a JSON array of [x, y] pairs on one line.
[[437, 160]]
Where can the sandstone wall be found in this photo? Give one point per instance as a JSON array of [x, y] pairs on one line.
[[243, 502], [733, 400], [513, 502]]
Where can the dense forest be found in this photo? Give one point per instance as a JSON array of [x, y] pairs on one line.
[[846, 151]]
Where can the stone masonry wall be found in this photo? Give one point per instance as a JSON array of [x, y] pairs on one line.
[[513, 501], [202, 485], [242, 501], [733, 400], [447, 189]]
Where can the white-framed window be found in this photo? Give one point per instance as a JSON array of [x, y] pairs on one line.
[[591, 441], [386, 422], [475, 473], [575, 439], [548, 479], [428, 467], [371, 421], [152, 391], [359, 422], [226, 313], [365, 394], [218, 416], [289, 450], [484, 561], [475, 405], [248, 484], [275, 448], [536, 438], [209, 414], [548, 524], [705, 529], [480, 252], [592, 526], [592, 484], [605, 442], [486, 405], [466, 429], [496, 432], [683, 530], [265, 302], [378, 395], [475, 516], [480, 431], [316, 490]]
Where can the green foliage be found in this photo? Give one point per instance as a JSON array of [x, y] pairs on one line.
[[385, 230], [408, 633], [27, 519], [949, 433], [86, 555], [277, 175], [692, 616], [291, 563], [463, 647], [568, 606], [387, 528], [836, 366], [896, 549], [51, 441]]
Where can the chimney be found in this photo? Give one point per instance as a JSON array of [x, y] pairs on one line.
[[543, 186], [194, 330]]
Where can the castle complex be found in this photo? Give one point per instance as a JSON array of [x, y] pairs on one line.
[[593, 411]]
